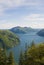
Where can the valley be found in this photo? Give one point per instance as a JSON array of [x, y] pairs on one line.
[[21, 38]]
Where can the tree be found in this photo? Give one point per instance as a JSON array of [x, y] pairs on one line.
[[2, 56], [21, 59], [25, 54], [33, 55], [5, 56], [11, 59], [32, 44]]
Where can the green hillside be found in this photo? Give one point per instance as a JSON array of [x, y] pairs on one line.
[[33, 55], [8, 39]]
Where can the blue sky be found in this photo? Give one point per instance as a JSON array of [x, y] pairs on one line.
[[23, 13]]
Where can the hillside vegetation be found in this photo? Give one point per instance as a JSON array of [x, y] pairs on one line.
[[33, 55], [6, 59], [8, 39]]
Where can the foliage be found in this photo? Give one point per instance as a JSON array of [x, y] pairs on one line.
[[8, 39], [34, 55], [4, 59], [11, 59], [21, 59]]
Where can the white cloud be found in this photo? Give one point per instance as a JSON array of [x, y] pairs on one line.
[[7, 4], [1, 10], [11, 3], [14, 3], [5, 24], [34, 17], [33, 20]]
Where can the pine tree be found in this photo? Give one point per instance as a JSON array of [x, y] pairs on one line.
[[2, 57], [32, 44], [5, 56], [25, 54], [21, 59], [26, 48], [11, 59]]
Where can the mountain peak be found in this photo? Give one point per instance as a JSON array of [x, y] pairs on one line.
[[22, 30]]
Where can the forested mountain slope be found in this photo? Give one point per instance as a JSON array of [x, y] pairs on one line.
[[41, 33], [8, 39]]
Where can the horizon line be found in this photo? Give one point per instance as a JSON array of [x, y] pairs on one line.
[[19, 26]]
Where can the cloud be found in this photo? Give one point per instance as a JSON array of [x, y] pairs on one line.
[[7, 24], [11, 3], [16, 3], [33, 20], [7, 4], [19, 9], [34, 17]]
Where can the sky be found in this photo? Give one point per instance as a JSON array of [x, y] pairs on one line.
[[24, 13]]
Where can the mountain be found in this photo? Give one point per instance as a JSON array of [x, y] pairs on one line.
[[22, 30], [18, 30], [8, 39], [41, 33]]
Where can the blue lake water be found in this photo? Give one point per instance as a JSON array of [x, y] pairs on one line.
[[25, 38]]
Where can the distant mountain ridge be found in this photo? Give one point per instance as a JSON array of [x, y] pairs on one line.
[[22, 30], [41, 33], [18, 30]]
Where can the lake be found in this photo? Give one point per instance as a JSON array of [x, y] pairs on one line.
[[25, 38]]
